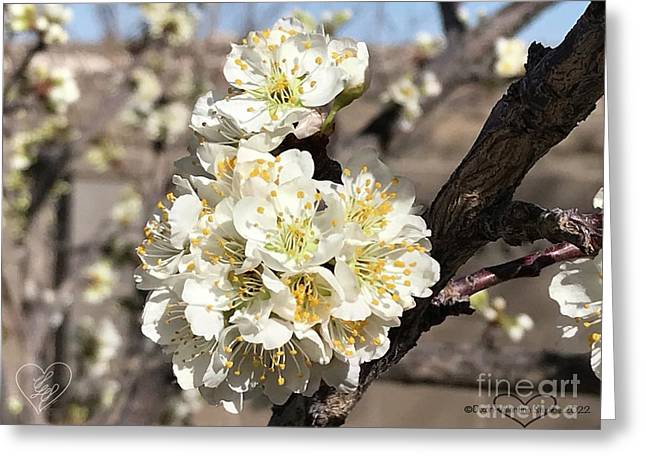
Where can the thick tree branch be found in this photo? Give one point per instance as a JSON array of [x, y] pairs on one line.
[[451, 23], [522, 222], [559, 90]]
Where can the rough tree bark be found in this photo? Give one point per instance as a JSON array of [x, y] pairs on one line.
[[560, 89]]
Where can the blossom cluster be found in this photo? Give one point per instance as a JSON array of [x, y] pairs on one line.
[[47, 20], [262, 278], [55, 86], [172, 22], [578, 289], [494, 311]]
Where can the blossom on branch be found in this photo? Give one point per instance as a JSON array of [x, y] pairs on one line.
[[283, 75], [262, 278], [46, 20], [55, 86]]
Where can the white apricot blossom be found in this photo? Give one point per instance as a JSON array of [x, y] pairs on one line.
[[377, 205], [168, 237], [165, 323], [211, 126], [578, 289], [382, 278], [295, 228], [279, 371], [359, 340], [511, 55], [281, 75], [352, 57]]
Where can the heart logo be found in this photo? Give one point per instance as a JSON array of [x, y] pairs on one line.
[[41, 387], [520, 411]]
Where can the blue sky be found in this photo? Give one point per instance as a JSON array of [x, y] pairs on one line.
[[372, 22]]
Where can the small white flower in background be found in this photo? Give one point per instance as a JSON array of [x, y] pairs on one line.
[[56, 86], [104, 154], [428, 44], [128, 208], [57, 13], [511, 56], [333, 20], [407, 94], [185, 404], [101, 342], [21, 17], [14, 405], [171, 22], [431, 86], [147, 87], [495, 312], [101, 279], [525, 321], [109, 391], [55, 34], [167, 122], [48, 20], [578, 289], [261, 278]]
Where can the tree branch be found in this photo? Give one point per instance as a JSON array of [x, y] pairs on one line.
[[460, 289], [522, 222], [451, 23], [559, 90]]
